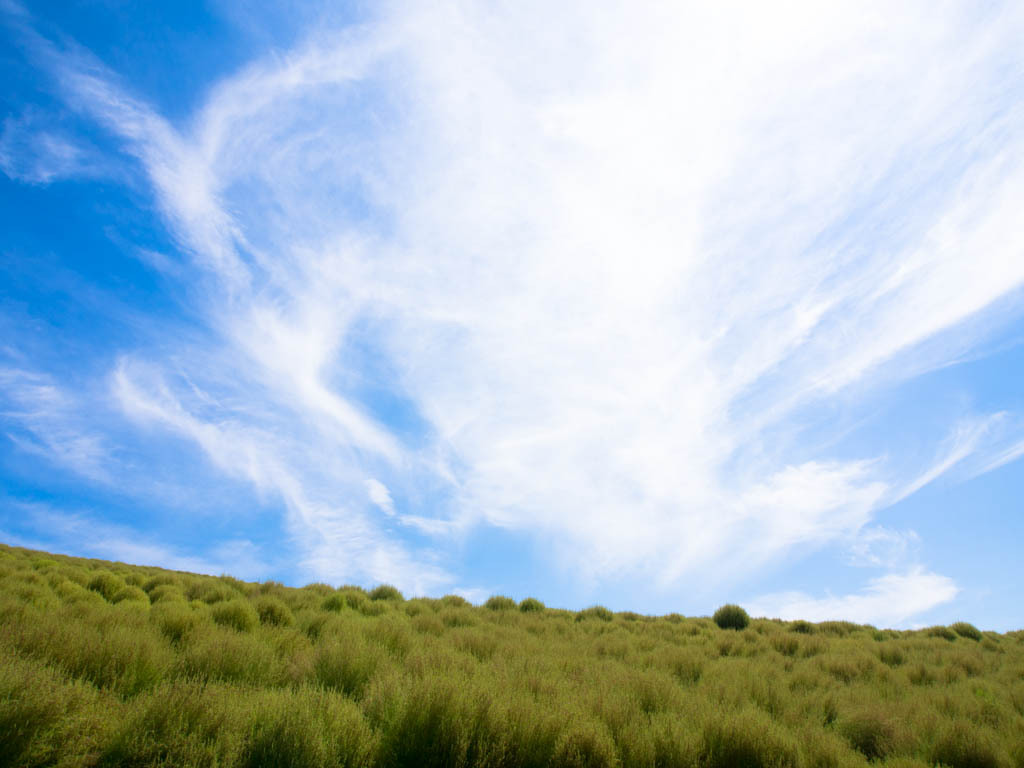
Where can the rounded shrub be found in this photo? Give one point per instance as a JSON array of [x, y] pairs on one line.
[[731, 616], [803, 627], [454, 601], [531, 605], [940, 631], [386, 592], [585, 745], [176, 620], [273, 611], [211, 592], [595, 612], [237, 614], [964, 629], [749, 739], [160, 580], [869, 732], [107, 584], [131, 593], [500, 603], [166, 593], [967, 745]]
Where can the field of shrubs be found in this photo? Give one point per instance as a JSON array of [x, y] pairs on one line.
[[106, 664]]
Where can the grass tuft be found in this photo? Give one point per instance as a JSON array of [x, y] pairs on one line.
[[386, 592], [273, 611], [964, 629], [731, 616], [531, 605], [237, 614], [500, 603]]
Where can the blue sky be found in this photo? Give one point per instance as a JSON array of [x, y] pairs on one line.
[[651, 306]]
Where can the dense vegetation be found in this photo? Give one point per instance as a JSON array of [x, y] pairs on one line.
[[108, 664]]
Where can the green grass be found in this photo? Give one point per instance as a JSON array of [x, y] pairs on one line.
[[107, 664]]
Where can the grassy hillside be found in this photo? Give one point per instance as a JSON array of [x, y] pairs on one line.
[[109, 664]]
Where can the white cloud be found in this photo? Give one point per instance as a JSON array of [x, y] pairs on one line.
[[50, 424], [601, 256], [380, 496], [339, 541], [33, 151], [888, 601]]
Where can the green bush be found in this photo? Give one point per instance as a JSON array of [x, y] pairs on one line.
[[273, 611], [531, 605], [454, 601], [237, 614], [585, 744], [595, 612], [131, 594], [964, 629], [307, 729], [940, 631], [347, 664], [749, 739], [107, 584], [166, 593], [500, 603], [176, 620], [183, 724], [967, 745], [386, 592], [731, 616], [870, 732], [803, 627]]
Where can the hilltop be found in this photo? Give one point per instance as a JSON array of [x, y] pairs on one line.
[[109, 664]]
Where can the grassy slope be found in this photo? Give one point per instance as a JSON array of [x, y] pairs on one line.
[[108, 664]]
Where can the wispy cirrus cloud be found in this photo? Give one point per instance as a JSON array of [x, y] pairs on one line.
[[589, 279]]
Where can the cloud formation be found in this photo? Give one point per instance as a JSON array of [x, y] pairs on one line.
[[592, 279]]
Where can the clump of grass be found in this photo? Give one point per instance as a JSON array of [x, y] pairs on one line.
[[454, 601], [801, 626], [870, 732], [237, 614], [180, 724], [500, 603], [749, 739], [964, 629], [211, 592], [531, 605], [786, 644], [130, 594], [307, 729], [216, 653], [42, 715], [963, 745], [347, 664], [273, 611], [160, 580], [166, 593], [891, 654], [940, 631], [731, 616], [386, 592], [176, 620], [585, 744], [595, 612], [106, 584]]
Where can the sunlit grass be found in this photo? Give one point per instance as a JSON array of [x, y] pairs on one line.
[[108, 664]]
